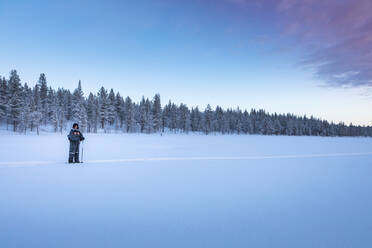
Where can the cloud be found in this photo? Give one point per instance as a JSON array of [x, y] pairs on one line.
[[336, 36]]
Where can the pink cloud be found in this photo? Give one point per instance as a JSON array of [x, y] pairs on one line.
[[336, 35]]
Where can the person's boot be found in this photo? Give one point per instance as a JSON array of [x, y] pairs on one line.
[[71, 159], [77, 158]]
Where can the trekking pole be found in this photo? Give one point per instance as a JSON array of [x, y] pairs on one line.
[[82, 151]]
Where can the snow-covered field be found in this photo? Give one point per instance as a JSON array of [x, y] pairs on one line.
[[186, 191]]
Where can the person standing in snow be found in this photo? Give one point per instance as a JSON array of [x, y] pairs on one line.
[[75, 136]]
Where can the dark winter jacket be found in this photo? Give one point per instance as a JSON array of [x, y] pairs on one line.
[[75, 136]]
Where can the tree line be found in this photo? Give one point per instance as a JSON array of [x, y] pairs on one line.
[[24, 108]]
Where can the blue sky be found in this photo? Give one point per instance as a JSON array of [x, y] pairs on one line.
[[226, 52]]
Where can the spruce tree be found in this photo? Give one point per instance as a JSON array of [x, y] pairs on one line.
[[128, 115], [15, 98], [43, 97], [3, 99], [156, 113], [142, 114], [79, 114], [149, 120], [184, 118], [91, 114], [103, 107], [25, 113], [195, 120], [166, 119], [207, 120], [111, 110], [119, 109]]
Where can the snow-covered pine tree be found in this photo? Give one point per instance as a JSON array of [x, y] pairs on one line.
[[230, 120], [36, 119], [76, 104], [136, 117], [96, 114], [84, 119], [92, 114], [226, 122], [149, 120], [61, 110], [207, 120], [268, 126], [142, 114], [277, 126], [289, 128], [166, 116], [103, 107], [238, 125], [195, 120], [78, 107], [111, 110], [247, 123], [53, 110], [15, 98], [128, 115], [218, 116], [184, 118], [157, 113], [43, 87], [119, 108], [25, 113], [35, 105], [68, 101], [174, 116], [3, 99]]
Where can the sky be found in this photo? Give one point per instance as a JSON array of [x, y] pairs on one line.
[[308, 57]]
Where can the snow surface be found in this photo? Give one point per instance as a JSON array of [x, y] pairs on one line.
[[181, 190]]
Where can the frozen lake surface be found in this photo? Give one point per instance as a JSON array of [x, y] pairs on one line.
[[186, 191]]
